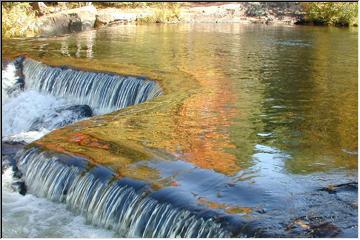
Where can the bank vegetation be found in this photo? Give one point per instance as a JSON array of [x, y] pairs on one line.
[[20, 19]]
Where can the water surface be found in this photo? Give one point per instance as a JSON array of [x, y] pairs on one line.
[[261, 105]]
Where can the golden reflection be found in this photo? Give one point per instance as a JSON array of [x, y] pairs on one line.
[[203, 121], [193, 128], [223, 86], [231, 209]]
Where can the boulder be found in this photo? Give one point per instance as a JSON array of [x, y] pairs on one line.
[[110, 15], [82, 20], [8, 152], [18, 62], [103, 19], [19, 186], [8, 160], [73, 20], [82, 111]]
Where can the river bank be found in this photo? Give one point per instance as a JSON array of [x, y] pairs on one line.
[[58, 20], [89, 17]]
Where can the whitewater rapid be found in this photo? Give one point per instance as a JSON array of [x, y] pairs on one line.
[[20, 109], [40, 98], [31, 216]]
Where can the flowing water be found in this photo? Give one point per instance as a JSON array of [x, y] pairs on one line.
[[251, 121], [103, 92]]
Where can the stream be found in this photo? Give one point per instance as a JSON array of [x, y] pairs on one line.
[[188, 130]]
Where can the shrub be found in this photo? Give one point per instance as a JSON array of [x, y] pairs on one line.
[[163, 13], [18, 20], [332, 13]]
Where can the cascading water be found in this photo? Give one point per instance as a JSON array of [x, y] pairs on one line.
[[123, 206], [102, 91], [39, 98], [33, 217], [34, 114], [12, 82]]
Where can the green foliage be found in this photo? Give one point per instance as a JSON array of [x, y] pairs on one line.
[[130, 4], [18, 20], [332, 13], [163, 13]]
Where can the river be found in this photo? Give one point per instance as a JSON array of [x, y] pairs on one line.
[[252, 120]]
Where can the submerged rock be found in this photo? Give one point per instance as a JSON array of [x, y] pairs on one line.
[[8, 152], [62, 117], [345, 192], [82, 110], [312, 227], [334, 189], [19, 186], [8, 160]]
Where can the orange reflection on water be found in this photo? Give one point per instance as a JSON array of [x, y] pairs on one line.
[[203, 120]]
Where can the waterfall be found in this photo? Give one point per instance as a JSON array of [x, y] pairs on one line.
[[127, 207], [104, 92], [122, 205], [38, 98]]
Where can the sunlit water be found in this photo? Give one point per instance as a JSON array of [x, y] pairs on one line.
[[270, 105]]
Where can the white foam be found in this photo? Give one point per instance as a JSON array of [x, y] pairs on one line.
[[9, 81], [27, 137], [30, 216], [30, 114], [20, 109], [19, 113]]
